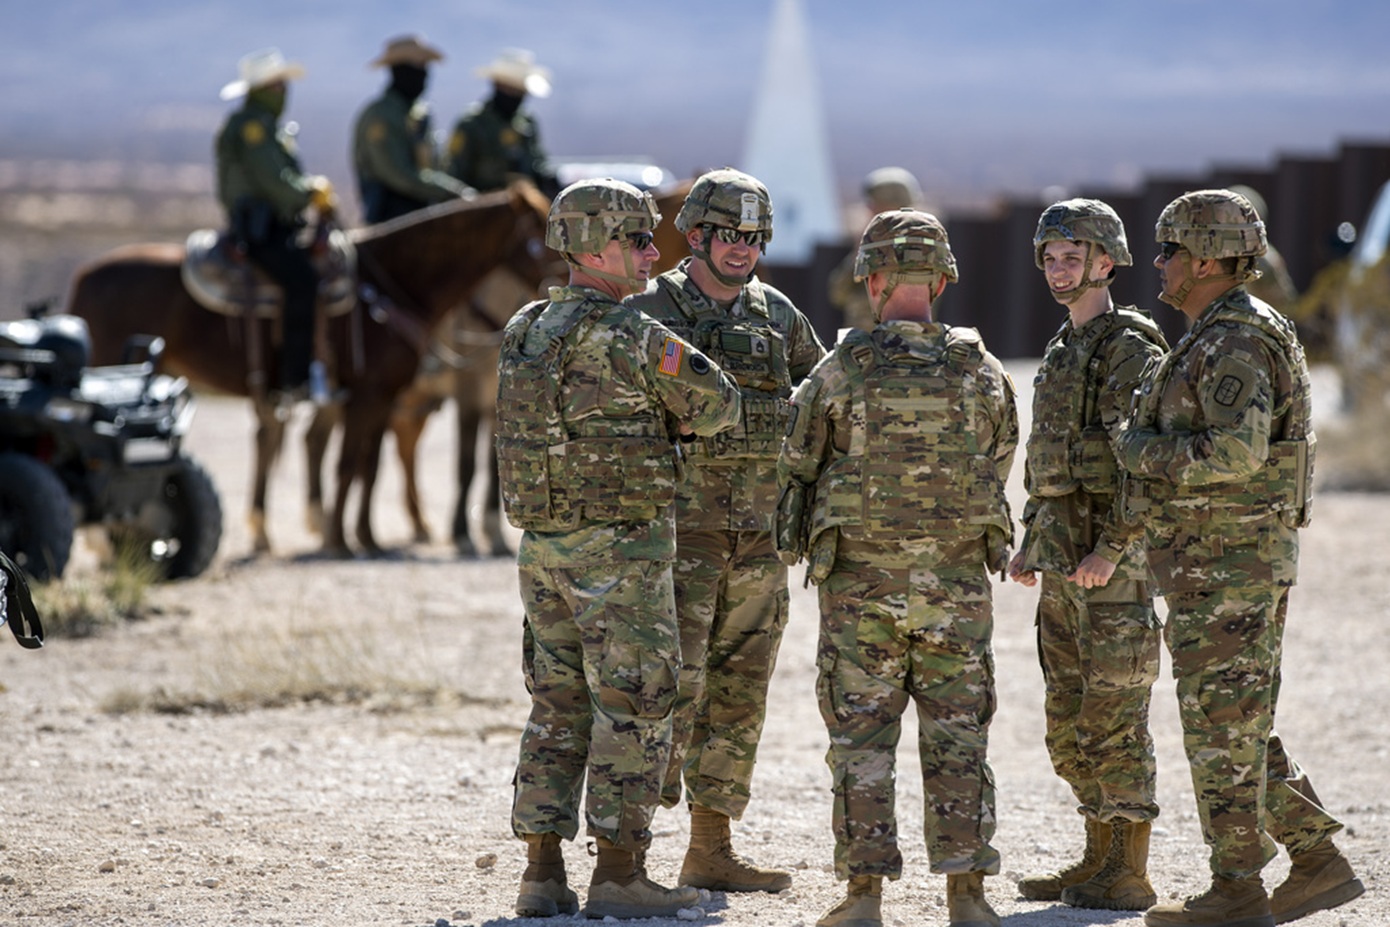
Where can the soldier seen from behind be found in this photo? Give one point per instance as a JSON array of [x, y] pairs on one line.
[[731, 587], [498, 140], [392, 149], [265, 192], [1219, 461], [892, 488], [1098, 633], [593, 396]]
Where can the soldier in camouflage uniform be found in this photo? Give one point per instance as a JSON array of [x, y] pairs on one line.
[[1219, 461], [264, 191], [497, 140], [731, 588], [1098, 633], [892, 487], [588, 393], [392, 152], [884, 189]]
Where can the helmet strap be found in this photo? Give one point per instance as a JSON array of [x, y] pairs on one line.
[[631, 282], [1086, 283]]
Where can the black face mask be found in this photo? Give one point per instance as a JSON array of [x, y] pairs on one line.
[[408, 80], [506, 102]]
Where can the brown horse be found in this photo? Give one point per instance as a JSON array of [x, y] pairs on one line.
[[425, 265], [468, 373]]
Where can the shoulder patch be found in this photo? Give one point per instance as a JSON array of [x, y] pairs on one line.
[[376, 132], [252, 132], [671, 354]]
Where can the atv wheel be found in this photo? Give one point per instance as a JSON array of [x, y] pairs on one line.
[[179, 532], [36, 522]]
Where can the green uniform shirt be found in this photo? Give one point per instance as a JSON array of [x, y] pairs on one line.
[[386, 150], [256, 160], [486, 147]]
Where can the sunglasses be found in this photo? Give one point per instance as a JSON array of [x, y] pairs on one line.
[[731, 236], [640, 240], [1168, 249]]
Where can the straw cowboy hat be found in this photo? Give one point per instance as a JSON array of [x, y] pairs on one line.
[[407, 49], [260, 68], [517, 68]]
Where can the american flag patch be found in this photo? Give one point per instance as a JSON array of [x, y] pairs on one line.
[[671, 357]]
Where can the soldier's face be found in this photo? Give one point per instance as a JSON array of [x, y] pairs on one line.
[[642, 249], [736, 259], [1064, 265]]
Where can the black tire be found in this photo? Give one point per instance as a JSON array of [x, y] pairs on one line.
[[177, 534], [36, 522]]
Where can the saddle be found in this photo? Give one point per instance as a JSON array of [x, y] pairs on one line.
[[215, 274]]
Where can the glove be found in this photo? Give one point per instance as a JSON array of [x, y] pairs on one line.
[[321, 195]]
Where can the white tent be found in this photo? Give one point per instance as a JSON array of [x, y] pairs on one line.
[[787, 147]]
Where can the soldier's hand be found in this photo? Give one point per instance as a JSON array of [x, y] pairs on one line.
[[321, 195], [1093, 571], [1018, 574]]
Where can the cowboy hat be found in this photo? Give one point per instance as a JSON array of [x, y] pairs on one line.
[[517, 68], [260, 68], [407, 49]]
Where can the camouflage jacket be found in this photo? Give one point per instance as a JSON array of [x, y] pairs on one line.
[[768, 347], [1081, 399], [1219, 454], [486, 148], [908, 469], [257, 161], [391, 154], [621, 374]]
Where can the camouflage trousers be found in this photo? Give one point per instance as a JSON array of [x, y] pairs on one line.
[[1099, 650], [600, 653], [889, 636], [1226, 647], [731, 596]]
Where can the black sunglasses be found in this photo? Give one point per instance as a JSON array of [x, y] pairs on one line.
[[639, 240], [1168, 249], [730, 236]]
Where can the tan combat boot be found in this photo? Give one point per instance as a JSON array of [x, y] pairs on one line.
[[1319, 879], [544, 889], [1049, 887], [1122, 884], [712, 863], [965, 901], [862, 906], [620, 888], [1228, 903]]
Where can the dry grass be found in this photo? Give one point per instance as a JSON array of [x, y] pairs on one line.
[[83, 605]]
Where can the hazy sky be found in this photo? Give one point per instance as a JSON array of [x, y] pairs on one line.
[[976, 98]]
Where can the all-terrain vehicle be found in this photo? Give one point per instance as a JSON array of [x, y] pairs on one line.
[[101, 446]]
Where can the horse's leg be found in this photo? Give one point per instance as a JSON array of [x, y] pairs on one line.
[[270, 436], [369, 464], [468, 420], [408, 417], [326, 418]]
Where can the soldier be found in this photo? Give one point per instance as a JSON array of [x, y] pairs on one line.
[[1219, 456], [264, 191], [497, 140], [731, 587], [884, 189], [1098, 633], [892, 487], [1274, 285], [391, 150], [588, 471]]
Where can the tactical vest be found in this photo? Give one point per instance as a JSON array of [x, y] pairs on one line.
[[914, 465], [1068, 447], [751, 351], [1284, 485], [617, 468]]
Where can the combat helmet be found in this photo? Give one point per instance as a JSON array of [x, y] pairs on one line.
[[911, 246], [588, 214], [1213, 225], [1083, 220], [891, 188], [727, 199]]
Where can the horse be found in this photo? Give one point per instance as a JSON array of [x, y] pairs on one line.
[[424, 265], [467, 372]]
